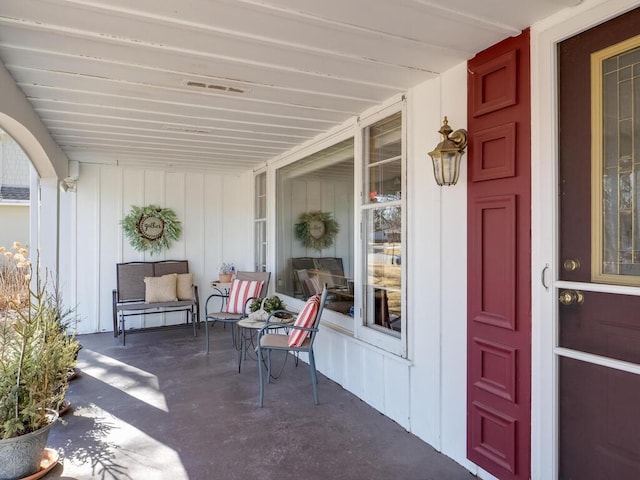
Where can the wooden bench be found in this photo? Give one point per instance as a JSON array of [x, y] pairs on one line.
[[129, 296]]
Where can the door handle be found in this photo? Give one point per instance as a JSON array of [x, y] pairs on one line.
[[570, 297], [543, 278]]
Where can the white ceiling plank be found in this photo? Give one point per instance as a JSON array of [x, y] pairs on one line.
[[83, 65], [196, 96], [143, 104], [149, 35], [106, 115], [11, 36], [257, 22], [109, 78], [167, 131]]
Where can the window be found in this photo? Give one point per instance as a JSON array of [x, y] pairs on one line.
[[311, 193], [260, 222], [382, 216], [359, 183]]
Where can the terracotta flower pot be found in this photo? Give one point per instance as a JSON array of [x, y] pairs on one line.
[[224, 278]]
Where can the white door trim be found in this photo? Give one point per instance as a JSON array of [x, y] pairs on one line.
[[544, 37]]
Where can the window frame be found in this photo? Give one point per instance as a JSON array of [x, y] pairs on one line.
[[260, 264], [379, 336]]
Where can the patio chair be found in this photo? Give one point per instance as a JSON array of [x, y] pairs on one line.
[[234, 305], [299, 339]]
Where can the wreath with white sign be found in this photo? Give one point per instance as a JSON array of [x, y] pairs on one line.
[[316, 230], [151, 228]]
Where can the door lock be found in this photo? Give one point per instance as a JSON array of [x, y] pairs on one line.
[[570, 297], [571, 264]]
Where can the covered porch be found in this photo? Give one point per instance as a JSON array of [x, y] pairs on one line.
[[241, 116]]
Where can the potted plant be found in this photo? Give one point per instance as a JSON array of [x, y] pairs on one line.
[[226, 271], [268, 305], [36, 355]]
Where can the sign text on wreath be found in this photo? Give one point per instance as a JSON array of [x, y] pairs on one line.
[[151, 228]]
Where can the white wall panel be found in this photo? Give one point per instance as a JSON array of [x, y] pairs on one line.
[[107, 239], [424, 261], [454, 284], [396, 390], [374, 379], [131, 193], [88, 255], [105, 195], [355, 367]]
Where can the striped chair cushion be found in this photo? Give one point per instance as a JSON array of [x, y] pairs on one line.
[[240, 292], [313, 285], [306, 317]]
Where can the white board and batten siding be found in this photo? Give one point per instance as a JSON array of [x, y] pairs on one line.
[[210, 234]]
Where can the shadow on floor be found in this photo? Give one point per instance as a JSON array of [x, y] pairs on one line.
[[160, 408]]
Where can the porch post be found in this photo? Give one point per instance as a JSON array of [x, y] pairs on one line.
[[48, 212]]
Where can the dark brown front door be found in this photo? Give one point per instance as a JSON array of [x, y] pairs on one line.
[[499, 260], [599, 294]]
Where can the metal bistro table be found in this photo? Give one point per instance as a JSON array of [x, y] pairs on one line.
[[249, 328]]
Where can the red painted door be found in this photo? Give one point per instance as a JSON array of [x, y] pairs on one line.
[[599, 287], [499, 260]]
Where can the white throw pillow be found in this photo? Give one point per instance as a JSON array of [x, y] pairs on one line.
[[184, 287], [160, 289]]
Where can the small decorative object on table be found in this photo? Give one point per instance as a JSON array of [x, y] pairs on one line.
[[226, 272], [261, 308]]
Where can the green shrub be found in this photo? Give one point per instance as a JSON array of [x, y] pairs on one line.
[[36, 355]]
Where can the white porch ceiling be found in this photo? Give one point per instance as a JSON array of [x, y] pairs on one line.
[[230, 84]]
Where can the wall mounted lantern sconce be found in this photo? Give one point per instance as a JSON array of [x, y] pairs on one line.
[[446, 156]]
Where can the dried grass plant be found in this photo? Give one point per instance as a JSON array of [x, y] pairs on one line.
[[15, 277]]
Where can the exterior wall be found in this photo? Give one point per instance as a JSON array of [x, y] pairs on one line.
[[215, 212], [14, 224], [14, 164], [15, 172]]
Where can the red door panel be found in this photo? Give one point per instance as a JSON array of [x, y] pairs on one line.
[[499, 260]]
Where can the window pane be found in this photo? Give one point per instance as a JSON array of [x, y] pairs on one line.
[[320, 185], [260, 230], [384, 160], [384, 270], [384, 182], [261, 195], [261, 246], [385, 139]]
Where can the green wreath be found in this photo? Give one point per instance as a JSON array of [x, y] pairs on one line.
[[316, 230], [151, 228]]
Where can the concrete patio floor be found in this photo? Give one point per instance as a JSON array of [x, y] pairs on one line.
[[160, 408]]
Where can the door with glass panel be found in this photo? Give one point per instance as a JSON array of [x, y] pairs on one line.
[[598, 330]]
